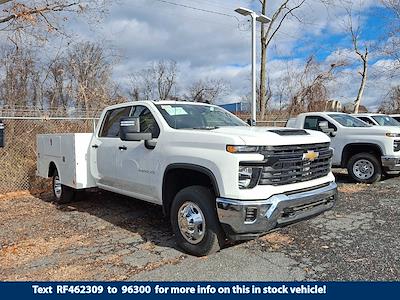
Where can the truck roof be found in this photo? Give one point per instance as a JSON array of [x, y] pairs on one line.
[[368, 114], [322, 113], [166, 102]]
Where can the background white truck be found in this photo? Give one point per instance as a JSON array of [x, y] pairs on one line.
[[216, 177], [377, 119], [366, 151]]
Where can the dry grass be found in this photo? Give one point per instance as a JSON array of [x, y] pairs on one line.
[[276, 240], [353, 188]]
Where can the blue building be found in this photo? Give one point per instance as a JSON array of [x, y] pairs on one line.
[[235, 107]]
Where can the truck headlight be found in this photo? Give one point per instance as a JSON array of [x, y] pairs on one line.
[[242, 149], [248, 176], [391, 134]]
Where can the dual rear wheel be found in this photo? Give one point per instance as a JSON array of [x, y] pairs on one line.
[[62, 194]]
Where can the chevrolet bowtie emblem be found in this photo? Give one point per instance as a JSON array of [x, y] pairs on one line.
[[310, 155]]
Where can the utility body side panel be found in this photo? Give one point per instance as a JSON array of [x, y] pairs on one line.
[[69, 153]]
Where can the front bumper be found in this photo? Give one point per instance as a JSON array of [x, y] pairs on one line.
[[248, 219], [391, 163]]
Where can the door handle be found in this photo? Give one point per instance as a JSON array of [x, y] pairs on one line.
[[95, 146], [122, 148]]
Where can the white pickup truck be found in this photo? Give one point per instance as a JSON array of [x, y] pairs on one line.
[[215, 177], [377, 119], [366, 151]]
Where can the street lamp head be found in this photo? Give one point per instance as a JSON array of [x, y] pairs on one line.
[[263, 19], [244, 11]]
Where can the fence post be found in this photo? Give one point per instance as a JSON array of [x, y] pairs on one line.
[[2, 135]]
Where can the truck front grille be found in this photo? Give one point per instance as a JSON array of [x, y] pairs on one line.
[[297, 163]]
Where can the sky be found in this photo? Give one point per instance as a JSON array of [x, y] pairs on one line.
[[209, 40]]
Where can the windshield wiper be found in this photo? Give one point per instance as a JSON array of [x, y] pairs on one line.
[[205, 128]]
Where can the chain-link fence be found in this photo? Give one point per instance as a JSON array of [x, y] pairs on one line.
[[18, 157]]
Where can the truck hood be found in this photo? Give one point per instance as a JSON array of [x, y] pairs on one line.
[[274, 136]]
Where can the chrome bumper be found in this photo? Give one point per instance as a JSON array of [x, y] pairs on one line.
[[391, 163], [247, 219]]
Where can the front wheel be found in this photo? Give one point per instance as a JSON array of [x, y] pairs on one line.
[[195, 223], [364, 168], [62, 194]]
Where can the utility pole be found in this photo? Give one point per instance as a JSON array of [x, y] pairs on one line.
[[254, 18]]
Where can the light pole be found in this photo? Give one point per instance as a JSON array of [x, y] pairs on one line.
[[254, 18]]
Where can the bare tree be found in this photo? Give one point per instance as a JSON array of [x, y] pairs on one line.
[[56, 90], [207, 90], [40, 17], [268, 31], [312, 93], [391, 47], [89, 77], [166, 72], [362, 55], [392, 102], [19, 77], [155, 83]]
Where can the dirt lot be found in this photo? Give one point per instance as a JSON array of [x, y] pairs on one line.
[[106, 237]]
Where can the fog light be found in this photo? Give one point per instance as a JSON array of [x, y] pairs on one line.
[[248, 177], [251, 215]]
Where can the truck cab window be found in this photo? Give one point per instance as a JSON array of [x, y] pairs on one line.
[[148, 123], [366, 120], [110, 126], [312, 123]]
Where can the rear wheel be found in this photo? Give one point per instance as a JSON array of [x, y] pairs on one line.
[[364, 168], [62, 193], [195, 223]]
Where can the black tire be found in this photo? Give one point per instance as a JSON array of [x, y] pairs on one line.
[[64, 194], [213, 237], [366, 177]]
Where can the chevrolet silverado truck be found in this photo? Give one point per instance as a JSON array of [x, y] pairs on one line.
[[366, 151], [215, 177]]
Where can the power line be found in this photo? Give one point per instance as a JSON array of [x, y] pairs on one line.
[[198, 9]]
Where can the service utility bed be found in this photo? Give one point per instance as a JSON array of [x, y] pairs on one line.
[[70, 153]]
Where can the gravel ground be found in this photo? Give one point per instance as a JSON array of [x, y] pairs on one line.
[[107, 237]]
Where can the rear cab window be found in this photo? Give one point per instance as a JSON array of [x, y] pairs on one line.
[[367, 120], [110, 126], [312, 123]]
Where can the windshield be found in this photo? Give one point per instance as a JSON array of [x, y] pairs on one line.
[[386, 121], [190, 116], [348, 121]]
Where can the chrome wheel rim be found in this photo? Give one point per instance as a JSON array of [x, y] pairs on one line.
[[57, 187], [363, 169], [191, 222]]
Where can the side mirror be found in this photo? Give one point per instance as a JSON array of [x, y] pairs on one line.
[[324, 126], [129, 130]]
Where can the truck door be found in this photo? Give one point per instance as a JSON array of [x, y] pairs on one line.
[[104, 147], [312, 123], [136, 165]]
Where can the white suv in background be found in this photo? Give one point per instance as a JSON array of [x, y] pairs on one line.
[[378, 119]]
